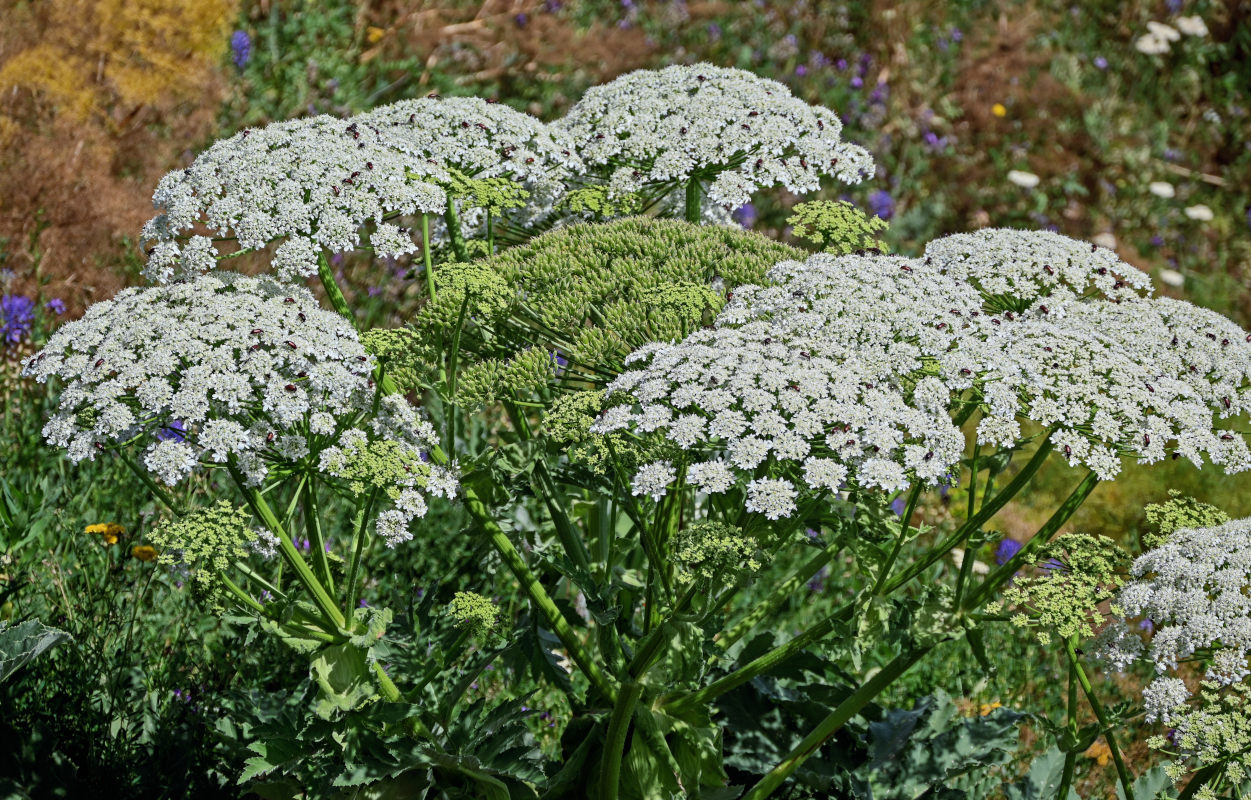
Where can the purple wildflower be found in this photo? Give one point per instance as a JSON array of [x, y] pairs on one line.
[[1006, 550], [363, 604], [745, 215], [841, 64], [175, 431], [714, 31], [881, 203], [899, 506], [552, 6], [56, 305], [1101, 62], [857, 82], [957, 35], [817, 582], [241, 48], [17, 317], [801, 71], [520, 20], [1147, 625]]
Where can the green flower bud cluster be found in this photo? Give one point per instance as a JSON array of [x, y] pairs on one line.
[[593, 292], [494, 194], [598, 202], [567, 427], [710, 551], [487, 381], [208, 541], [1177, 513], [407, 358], [473, 613], [381, 464], [1078, 573], [838, 226]]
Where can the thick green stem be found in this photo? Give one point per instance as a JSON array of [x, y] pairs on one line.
[[834, 722], [1062, 514], [392, 693], [692, 200], [1122, 772], [614, 745], [331, 286], [538, 597], [312, 526], [358, 547], [760, 665], [324, 602], [1070, 755], [453, 231], [905, 523], [777, 597], [988, 510], [427, 256]]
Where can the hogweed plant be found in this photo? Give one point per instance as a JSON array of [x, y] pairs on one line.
[[665, 433]]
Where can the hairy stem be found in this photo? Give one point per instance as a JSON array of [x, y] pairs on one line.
[[538, 596], [321, 598]]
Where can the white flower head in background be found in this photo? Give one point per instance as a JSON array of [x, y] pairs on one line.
[[1171, 277], [1192, 26], [735, 129], [1026, 180], [1199, 212], [1106, 240], [1152, 44], [1161, 189]]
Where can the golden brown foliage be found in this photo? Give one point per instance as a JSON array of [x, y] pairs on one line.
[[97, 99]]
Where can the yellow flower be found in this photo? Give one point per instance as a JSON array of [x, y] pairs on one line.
[[986, 708], [109, 531], [1100, 752], [374, 34], [998, 110], [143, 552]]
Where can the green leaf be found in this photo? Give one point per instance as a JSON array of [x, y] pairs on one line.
[[1042, 782], [270, 755], [22, 643], [342, 675]]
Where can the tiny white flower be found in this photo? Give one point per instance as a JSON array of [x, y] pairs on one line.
[[1105, 239], [1192, 26], [1026, 180], [1151, 44], [1161, 189], [1199, 212], [1165, 32], [1171, 277]]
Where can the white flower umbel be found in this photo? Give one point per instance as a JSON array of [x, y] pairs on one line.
[[1016, 268], [819, 380], [1194, 588], [226, 368], [849, 369], [728, 128], [311, 182], [316, 183]]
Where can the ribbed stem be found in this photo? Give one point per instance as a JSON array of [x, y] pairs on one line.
[[614, 745], [692, 200]]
